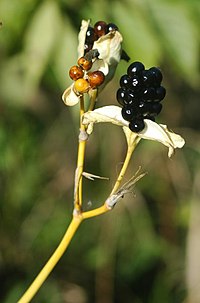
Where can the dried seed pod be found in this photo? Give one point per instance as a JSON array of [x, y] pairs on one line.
[[81, 86], [76, 72], [96, 78]]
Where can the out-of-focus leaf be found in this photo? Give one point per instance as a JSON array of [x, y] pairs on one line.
[[14, 15], [40, 39], [97, 10], [178, 35], [23, 72], [65, 54], [139, 40]]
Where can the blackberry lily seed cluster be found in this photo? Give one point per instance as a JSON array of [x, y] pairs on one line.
[[95, 78], [84, 80], [99, 52], [140, 94]]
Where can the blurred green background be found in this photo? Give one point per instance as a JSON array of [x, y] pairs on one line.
[[145, 251]]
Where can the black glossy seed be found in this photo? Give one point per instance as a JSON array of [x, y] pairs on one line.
[[90, 35], [135, 68], [154, 108], [112, 27], [143, 107], [128, 112], [157, 108], [157, 75], [137, 124], [148, 78], [149, 94], [136, 83], [125, 81], [121, 96], [124, 97], [133, 95], [160, 93]]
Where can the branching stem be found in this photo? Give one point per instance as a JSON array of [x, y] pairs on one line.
[[104, 208], [79, 216]]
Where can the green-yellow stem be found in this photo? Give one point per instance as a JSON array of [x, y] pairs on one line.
[[81, 150], [80, 161], [124, 168], [46, 270], [95, 212]]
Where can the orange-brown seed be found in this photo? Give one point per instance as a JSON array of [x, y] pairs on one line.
[[76, 72], [81, 86], [96, 78], [84, 63]]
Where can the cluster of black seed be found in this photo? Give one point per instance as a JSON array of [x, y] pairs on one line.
[[100, 28], [140, 94]]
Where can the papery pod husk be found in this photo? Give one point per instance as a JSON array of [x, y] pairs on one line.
[[152, 131], [69, 97], [81, 37]]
